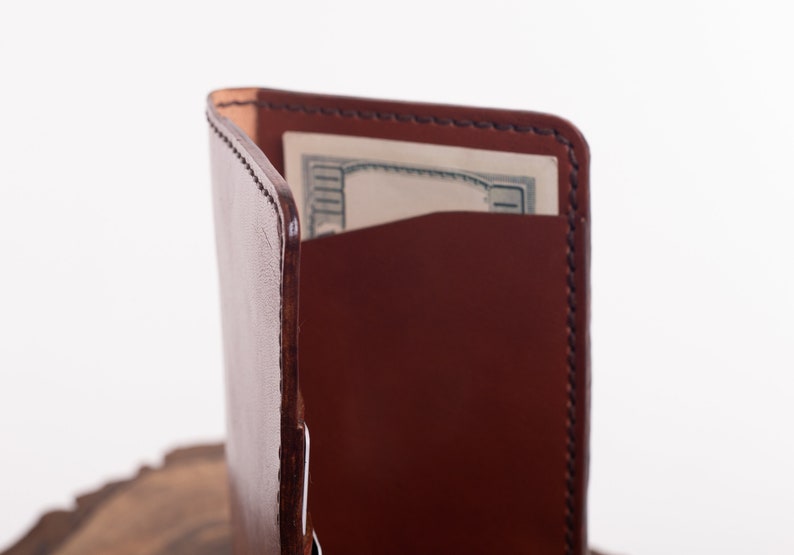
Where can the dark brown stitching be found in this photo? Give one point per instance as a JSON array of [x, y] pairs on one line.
[[272, 202], [407, 118], [573, 206], [247, 166]]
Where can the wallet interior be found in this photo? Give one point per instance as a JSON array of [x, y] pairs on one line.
[[443, 358]]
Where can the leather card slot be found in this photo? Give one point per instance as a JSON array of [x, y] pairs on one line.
[[432, 356]]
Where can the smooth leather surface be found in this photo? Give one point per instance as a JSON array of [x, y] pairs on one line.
[[434, 391], [449, 408], [253, 231]]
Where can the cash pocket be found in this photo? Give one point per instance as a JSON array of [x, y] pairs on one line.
[[342, 183], [433, 364]]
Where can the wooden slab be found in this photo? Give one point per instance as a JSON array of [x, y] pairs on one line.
[[180, 508], [177, 509]]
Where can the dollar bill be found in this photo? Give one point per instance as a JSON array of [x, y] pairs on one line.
[[341, 183]]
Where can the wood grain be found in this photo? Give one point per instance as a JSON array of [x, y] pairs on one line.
[[180, 508], [177, 509]]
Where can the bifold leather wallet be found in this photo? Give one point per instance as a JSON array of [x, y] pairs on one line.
[[411, 282]]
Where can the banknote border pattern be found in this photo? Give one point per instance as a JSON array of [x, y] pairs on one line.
[[348, 166]]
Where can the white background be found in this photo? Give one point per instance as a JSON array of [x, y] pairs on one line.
[[110, 341]]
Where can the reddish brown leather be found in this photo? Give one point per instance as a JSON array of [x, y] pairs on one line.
[[433, 367], [258, 246], [444, 359]]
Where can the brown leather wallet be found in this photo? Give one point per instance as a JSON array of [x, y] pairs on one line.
[[441, 355]]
